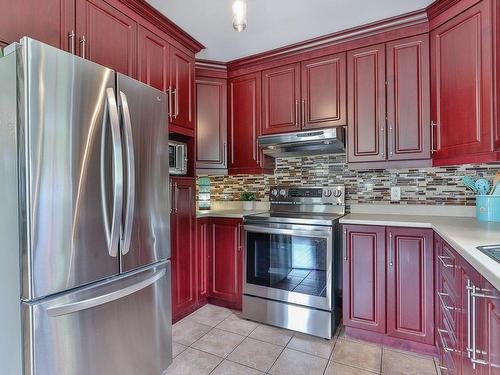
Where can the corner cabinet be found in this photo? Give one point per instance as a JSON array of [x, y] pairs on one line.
[[182, 96], [388, 104], [183, 255], [462, 104], [244, 126], [211, 125], [388, 285]]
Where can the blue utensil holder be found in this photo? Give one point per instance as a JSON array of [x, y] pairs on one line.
[[488, 207]]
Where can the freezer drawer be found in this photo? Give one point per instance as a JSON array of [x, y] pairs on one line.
[[119, 327]]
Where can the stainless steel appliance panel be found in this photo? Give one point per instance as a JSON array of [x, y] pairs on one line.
[[71, 169], [288, 316], [117, 327], [10, 320], [145, 234]]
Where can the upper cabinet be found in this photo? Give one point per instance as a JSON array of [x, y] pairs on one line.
[[366, 98], [462, 92], [408, 112], [281, 99], [106, 36], [51, 23], [244, 125], [388, 104], [211, 125], [307, 95], [154, 60], [182, 94], [324, 102]]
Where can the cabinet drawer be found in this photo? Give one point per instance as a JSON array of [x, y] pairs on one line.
[[447, 263]]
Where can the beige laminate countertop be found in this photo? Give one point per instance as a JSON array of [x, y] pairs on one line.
[[464, 234], [227, 213]]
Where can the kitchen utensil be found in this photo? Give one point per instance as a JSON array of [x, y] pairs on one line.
[[482, 186], [469, 182], [496, 182], [496, 189]]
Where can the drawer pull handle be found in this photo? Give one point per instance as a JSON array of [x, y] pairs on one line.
[[442, 258], [445, 306], [445, 348]]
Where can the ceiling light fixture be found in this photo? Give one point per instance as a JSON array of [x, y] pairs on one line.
[[239, 15]]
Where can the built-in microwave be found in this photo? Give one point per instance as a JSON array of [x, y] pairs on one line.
[[177, 155]]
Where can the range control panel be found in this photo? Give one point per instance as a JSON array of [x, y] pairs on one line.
[[307, 195]]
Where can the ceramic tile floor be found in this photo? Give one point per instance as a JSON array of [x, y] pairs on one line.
[[215, 340]]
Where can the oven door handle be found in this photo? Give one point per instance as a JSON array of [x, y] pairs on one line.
[[290, 232]]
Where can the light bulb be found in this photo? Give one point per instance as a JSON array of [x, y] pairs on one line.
[[239, 15]]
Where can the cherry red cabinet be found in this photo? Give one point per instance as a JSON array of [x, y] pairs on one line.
[[50, 21], [491, 318], [106, 36], [366, 104], [408, 98], [244, 126], [364, 295], [226, 262], [462, 87], [183, 254], [410, 287], [203, 250], [154, 60], [182, 86], [211, 124], [281, 99], [324, 93]]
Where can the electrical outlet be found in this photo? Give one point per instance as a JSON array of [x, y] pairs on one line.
[[395, 193]]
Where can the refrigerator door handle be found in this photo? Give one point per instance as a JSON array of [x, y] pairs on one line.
[[113, 230], [129, 151], [105, 298]]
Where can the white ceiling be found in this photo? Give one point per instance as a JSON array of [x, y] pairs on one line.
[[273, 23]]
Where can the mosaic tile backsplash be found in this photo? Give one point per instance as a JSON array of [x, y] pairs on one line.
[[418, 186]]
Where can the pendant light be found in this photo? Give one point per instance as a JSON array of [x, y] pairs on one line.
[[239, 15]]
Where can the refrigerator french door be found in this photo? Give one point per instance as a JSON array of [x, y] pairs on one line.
[[84, 178]]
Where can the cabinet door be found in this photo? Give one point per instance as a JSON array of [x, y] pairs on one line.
[[182, 82], [281, 99], [364, 277], [244, 123], [182, 226], [324, 92], [226, 261], [461, 87], [408, 98], [106, 36], [491, 329], [366, 104], [203, 247], [50, 21], [410, 286], [211, 123], [154, 61]]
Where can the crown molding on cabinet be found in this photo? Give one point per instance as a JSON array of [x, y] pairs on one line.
[[163, 23]]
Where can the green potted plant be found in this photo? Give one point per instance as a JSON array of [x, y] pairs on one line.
[[248, 199]]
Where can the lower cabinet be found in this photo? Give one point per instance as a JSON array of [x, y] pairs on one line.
[[220, 249], [183, 255], [388, 285], [467, 316]]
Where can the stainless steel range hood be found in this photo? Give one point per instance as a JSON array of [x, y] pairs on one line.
[[313, 142]]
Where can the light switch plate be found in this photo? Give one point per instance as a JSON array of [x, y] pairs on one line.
[[395, 193]]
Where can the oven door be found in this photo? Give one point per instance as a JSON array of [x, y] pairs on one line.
[[289, 263]]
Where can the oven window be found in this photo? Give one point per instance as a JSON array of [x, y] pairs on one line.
[[172, 151], [292, 263]]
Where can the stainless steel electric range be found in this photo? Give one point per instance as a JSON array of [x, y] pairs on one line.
[[292, 276]]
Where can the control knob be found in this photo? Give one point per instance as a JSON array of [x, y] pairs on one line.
[[282, 192], [274, 192], [337, 193], [327, 193]]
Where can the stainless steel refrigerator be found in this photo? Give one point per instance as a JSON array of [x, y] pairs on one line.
[[84, 218]]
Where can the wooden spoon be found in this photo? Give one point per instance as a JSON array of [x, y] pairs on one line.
[[496, 181]]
